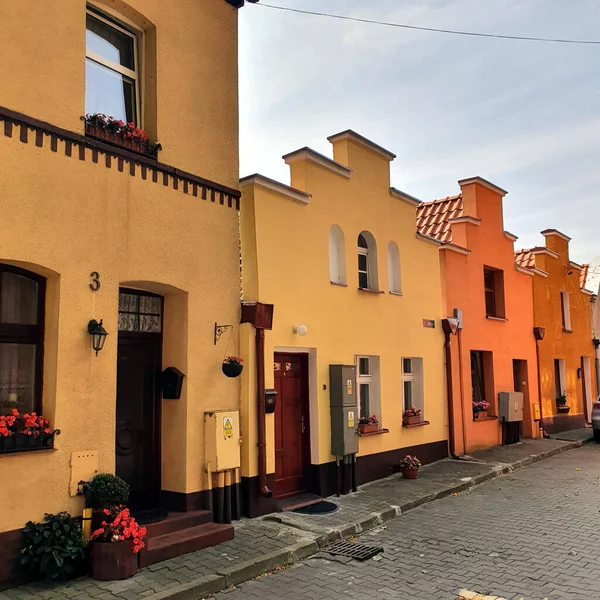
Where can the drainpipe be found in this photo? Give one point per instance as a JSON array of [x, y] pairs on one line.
[[462, 391], [260, 414], [450, 328], [538, 333]]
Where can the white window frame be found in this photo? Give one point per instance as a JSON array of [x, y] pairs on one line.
[[364, 252], [415, 377], [566, 310], [337, 256], [372, 379], [109, 64]]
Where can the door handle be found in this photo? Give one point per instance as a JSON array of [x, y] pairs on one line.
[[303, 428]]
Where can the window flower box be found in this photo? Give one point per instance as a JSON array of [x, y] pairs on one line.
[[118, 133], [480, 410], [368, 424], [480, 415], [411, 416], [25, 433]]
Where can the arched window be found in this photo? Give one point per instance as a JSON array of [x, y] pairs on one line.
[[367, 262], [22, 296], [394, 281], [337, 256]]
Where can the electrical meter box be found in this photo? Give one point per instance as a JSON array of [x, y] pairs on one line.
[[222, 436], [344, 409], [510, 406]]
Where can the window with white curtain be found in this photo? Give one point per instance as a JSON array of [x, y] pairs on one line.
[[337, 256], [394, 281]]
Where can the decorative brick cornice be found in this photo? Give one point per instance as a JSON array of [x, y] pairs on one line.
[[30, 129]]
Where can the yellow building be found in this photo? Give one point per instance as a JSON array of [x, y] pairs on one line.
[[562, 318], [337, 255], [94, 226]]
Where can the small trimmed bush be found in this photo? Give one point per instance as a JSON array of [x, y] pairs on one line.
[[53, 549], [106, 491]]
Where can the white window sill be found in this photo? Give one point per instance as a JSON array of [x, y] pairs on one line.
[[502, 319], [396, 293], [339, 284], [370, 291]]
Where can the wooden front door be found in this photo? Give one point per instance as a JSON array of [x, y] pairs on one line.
[[292, 432], [139, 363]]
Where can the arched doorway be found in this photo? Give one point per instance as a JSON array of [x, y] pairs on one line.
[[139, 365]]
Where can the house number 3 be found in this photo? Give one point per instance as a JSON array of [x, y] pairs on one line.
[[95, 285]]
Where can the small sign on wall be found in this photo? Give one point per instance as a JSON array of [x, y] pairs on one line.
[[429, 323], [227, 427], [350, 418], [349, 387]]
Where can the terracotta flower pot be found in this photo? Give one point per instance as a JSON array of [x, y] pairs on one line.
[[482, 414], [411, 420], [232, 369], [410, 473], [368, 428], [110, 561]]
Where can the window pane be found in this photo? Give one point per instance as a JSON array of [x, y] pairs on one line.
[[363, 280], [490, 304], [18, 299], [150, 323], [488, 277], [363, 366], [128, 302], [364, 393], [150, 305], [406, 365], [138, 312], [109, 92], [362, 243], [17, 377], [408, 394], [362, 262], [109, 42]]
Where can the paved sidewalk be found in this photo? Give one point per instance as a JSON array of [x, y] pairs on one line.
[[584, 435], [262, 545]]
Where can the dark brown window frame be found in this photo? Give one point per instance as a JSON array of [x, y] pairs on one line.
[[11, 333], [136, 292], [494, 295]]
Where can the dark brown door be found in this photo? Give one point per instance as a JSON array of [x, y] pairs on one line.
[[139, 363], [292, 434]]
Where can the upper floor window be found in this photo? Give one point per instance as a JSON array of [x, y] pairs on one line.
[[337, 256], [368, 386], [394, 282], [111, 70], [367, 262], [493, 281], [565, 310], [22, 297]]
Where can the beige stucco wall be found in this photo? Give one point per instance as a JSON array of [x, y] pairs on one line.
[[64, 217]]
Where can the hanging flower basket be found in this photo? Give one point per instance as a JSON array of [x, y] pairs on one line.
[[232, 366], [119, 133]]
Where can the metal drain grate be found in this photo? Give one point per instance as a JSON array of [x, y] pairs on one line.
[[354, 550]]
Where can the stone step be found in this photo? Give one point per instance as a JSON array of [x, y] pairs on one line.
[[176, 521], [176, 543]]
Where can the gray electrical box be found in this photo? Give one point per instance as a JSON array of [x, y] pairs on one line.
[[344, 410], [510, 406]]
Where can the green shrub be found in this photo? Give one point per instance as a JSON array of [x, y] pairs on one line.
[[53, 549], [106, 491]]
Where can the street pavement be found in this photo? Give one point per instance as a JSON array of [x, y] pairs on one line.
[[531, 534]]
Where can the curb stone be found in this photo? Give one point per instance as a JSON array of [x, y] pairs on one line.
[[199, 588]]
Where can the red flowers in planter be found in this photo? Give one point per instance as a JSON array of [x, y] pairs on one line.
[[27, 424], [123, 527]]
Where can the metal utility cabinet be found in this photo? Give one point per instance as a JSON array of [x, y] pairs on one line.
[[510, 406], [344, 410], [222, 435]]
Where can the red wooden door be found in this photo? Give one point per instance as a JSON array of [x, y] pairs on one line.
[[292, 435]]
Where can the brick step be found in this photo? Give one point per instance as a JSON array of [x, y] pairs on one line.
[[176, 543], [176, 521]]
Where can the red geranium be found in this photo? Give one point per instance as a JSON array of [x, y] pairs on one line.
[[123, 527]]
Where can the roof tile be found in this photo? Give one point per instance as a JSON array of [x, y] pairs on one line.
[[433, 217]]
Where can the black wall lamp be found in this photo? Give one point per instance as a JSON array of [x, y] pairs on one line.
[[98, 334]]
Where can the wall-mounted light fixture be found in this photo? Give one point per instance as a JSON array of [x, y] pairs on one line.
[[98, 334], [301, 330]]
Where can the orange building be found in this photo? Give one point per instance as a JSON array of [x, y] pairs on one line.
[[494, 348], [562, 317]]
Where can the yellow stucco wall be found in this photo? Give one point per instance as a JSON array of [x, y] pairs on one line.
[[558, 344], [64, 217], [285, 255]]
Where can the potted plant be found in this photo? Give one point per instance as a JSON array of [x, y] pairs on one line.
[[410, 466], [368, 424], [411, 416], [233, 366], [114, 546], [25, 432], [53, 549], [480, 409], [561, 403], [104, 491]]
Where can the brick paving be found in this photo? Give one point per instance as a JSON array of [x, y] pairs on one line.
[[532, 535], [452, 534]]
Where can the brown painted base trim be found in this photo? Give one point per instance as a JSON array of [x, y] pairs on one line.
[[557, 423], [181, 502], [253, 503], [11, 572]]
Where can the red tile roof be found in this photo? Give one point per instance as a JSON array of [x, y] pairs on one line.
[[525, 258], [433, 217], [583, 276]]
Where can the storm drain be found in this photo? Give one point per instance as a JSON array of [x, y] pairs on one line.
[[354, 550]]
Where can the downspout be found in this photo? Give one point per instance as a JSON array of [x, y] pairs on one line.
[[260, 414], [462, 390], [447, 327], [538, 333]]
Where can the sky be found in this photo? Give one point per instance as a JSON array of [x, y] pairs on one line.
[[524, 115]]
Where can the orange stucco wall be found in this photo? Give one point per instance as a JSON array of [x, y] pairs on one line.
[[506, 339], [559, 344]]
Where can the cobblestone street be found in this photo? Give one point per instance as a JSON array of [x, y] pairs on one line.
[[533, 534]]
